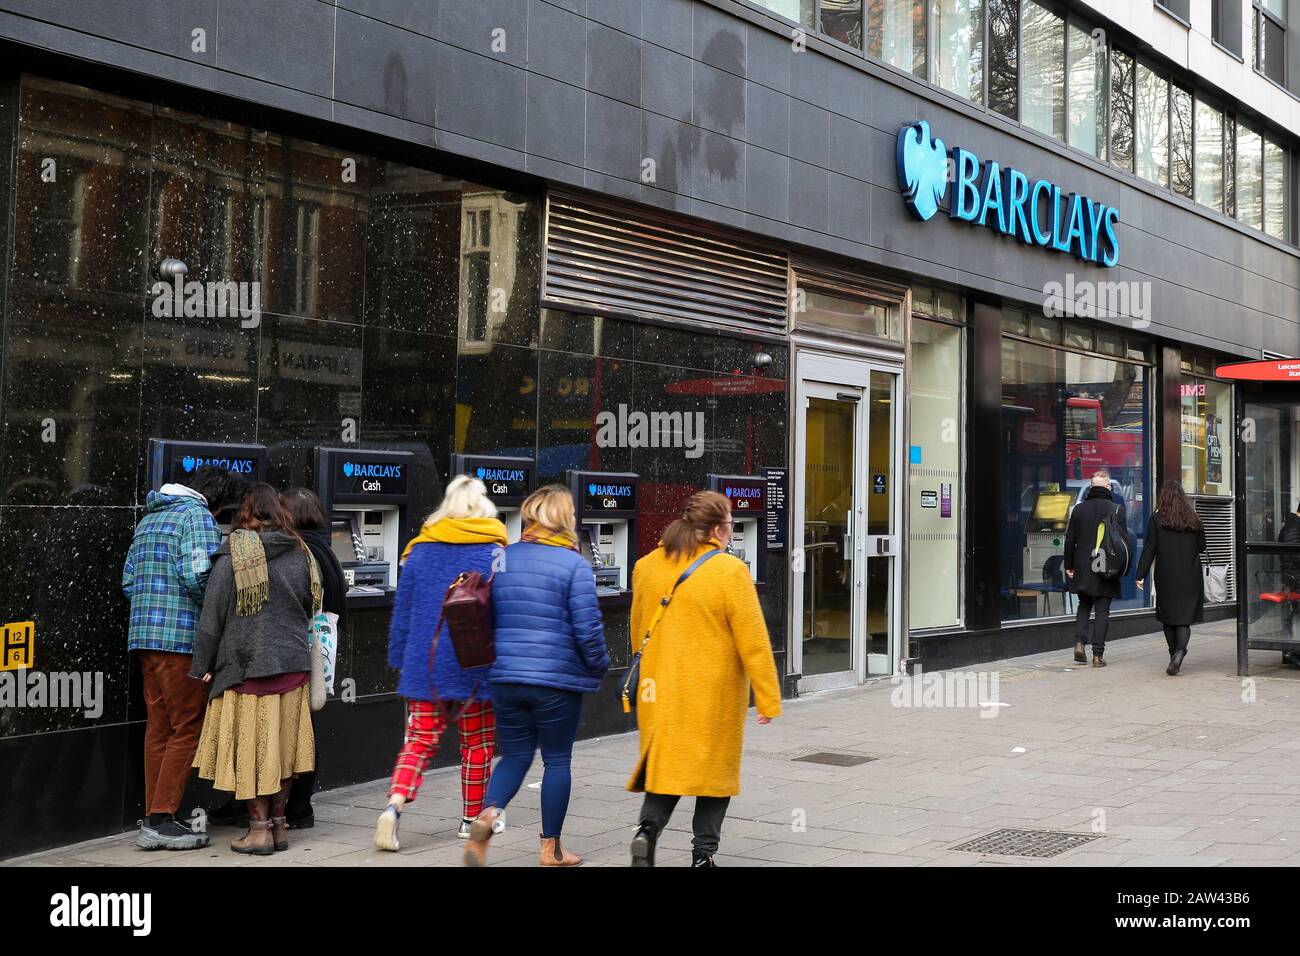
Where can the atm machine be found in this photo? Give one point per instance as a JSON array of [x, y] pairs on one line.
[[606, 503], [1045, 529], [508, 480], [748, 497], [366, 494], [175, 462]]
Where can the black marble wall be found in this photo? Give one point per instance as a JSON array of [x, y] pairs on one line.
[[398, 309]]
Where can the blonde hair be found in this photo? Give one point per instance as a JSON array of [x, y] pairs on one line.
[[465, 497], [550, 507], [704, 511]]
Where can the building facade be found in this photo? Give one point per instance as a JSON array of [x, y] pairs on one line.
[[906, 271]]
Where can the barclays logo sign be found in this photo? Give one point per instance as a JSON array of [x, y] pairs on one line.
[[1002, 198], [237, 466], [618, 491], [500, 474], [351, 469]]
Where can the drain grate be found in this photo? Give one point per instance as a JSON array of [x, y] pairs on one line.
[[834, 759], [1034, 843]]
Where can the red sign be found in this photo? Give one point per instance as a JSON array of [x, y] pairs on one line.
[[1269, 370]]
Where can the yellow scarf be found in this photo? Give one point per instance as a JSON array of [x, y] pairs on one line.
[[460, 531], [556, 539]]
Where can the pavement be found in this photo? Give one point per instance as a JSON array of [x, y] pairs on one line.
[[1122, 766]]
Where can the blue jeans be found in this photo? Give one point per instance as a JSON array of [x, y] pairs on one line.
[[529, 717]]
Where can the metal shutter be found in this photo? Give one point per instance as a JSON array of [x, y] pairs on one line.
[[609, 258], [1217, 515]]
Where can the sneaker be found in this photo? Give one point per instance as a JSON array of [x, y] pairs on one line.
[[700, 858], [169, 835], [386, 829], [498, 826]]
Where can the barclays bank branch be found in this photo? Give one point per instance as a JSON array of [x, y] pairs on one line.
[[898, 321]]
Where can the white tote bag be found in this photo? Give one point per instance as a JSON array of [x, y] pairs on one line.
[[1215, 577], [325, 635]]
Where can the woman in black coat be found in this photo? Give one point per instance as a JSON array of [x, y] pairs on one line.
[[1175, 540]]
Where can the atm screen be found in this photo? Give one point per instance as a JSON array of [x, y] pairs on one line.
[[344, 535], [1051, 508]]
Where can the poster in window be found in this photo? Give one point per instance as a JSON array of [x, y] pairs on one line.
[[1213, 452]]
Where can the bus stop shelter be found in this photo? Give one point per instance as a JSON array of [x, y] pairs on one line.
[[1267, 456]]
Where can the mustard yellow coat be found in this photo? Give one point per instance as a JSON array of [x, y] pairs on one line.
[[696, 672]]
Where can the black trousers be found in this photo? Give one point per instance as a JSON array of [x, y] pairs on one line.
[[1087, 605], [1177, 636], [707, 822]]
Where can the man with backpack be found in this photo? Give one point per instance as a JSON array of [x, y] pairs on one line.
[[1097, 555]]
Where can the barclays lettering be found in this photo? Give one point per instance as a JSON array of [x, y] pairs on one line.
[[358, 470], [501, 474], [237, 466], [1037, 213]]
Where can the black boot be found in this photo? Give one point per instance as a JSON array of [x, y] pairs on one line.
[[700, 858], [643, 846], [232, 813], [1175, 662]]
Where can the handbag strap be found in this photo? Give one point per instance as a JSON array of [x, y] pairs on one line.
[[658, 616]]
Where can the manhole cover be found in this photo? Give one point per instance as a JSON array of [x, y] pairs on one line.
[[835, 760], [1035, 843]]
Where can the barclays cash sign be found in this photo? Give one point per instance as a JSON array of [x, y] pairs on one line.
[[1037, 212]]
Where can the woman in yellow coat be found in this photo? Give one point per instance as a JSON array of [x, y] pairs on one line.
[[709, 647]]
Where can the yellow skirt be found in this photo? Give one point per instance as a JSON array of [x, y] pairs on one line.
[[250, 744]]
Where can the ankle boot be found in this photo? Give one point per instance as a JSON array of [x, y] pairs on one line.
[[700, 858], [279, 822], [480, 832], [1175, 663], [554, 854], [643, 846], [258, 841], [280, 833]]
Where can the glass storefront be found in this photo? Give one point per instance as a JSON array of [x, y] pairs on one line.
[[1065, 415], [935, 456], [1206, 436]]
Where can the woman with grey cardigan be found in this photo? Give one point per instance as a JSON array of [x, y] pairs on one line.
[[252, 650]]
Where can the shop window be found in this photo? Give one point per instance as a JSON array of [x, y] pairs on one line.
[[1087, 92], [1004, 56], [1044, 69], [1209, 156], [896, 33], [935, 475], [1180, 140], [1250, 177], [844, 311], [1206, 436], [957, 44], [1152, 126], [1066, 415], [1275, 189], [842, 20], [1121, 109]]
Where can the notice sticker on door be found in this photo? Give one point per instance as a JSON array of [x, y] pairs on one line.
[[929, 499], [945, 500], [877, 484]]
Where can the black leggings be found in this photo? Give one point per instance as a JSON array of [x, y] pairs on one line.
[[707, 822], [1177, 636]]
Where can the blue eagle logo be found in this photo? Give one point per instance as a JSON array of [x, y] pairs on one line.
[[922, 169], [591, 489], [347, 468], [479, 472]]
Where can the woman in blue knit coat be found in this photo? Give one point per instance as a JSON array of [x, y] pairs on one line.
[[462, 535]]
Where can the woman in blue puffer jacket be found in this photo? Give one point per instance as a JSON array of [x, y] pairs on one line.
[[550, 646], [462, 535]]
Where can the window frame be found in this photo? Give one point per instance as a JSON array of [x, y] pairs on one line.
[[1259, 13]]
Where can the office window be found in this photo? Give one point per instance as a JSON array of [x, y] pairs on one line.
[[1180, 140], [1209, 156], [1087, 91], [957, 42], [1179, 8], [1250, 177], [1004, 52], [1229, 166], [896, 33], [1044, 59], [1268, 38], [800, 11], [842, 20], [1225, 24], [1152, 125], [1275, 189], [1121, 109]]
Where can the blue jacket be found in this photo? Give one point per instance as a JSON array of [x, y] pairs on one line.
[[429, 570], [547, 623]]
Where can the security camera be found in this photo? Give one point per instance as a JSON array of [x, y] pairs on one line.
[[171, 268], [761, 360]]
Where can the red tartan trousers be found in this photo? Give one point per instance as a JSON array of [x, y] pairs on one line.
[[426, 722]]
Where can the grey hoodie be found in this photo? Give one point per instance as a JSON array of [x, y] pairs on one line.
[[272, 641]]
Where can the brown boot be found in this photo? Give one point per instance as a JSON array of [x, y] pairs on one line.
[[279, 823], [554, 854], [258, 841], [480, 832]]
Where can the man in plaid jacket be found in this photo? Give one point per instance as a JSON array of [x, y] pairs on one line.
[[165, 575]]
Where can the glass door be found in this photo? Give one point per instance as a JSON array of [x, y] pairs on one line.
[[847, 520]]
